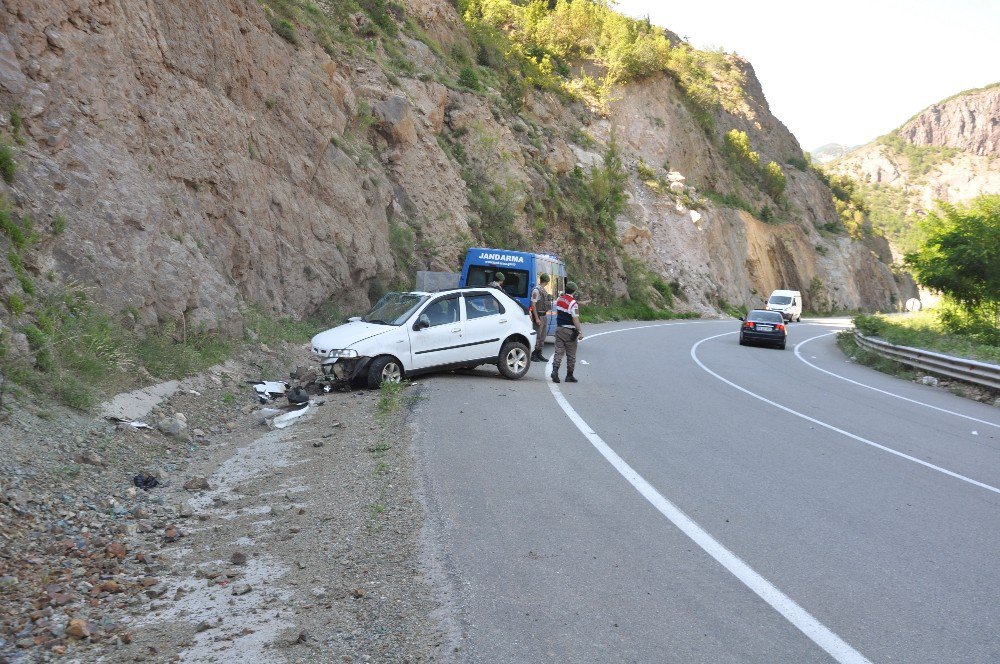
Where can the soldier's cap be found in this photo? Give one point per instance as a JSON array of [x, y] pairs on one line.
[[570, 287], [544, 278], [498, 276]]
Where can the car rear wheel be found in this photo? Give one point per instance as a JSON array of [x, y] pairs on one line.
[[514, 360], [384, 369], [781, 346], [743, 342]]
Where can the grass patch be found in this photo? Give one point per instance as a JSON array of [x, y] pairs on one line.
[[733, 310], [21, 231], [629, 309], [925, 330], [729, 200], [79, 353], [390, 397], [8, 167], [850, 348]]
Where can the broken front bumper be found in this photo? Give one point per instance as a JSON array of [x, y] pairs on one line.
[[343, 370]]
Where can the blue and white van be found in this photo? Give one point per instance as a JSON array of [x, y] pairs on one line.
[[521, 270]]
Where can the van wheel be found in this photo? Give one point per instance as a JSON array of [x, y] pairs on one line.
[[384, 369], [513, 361]]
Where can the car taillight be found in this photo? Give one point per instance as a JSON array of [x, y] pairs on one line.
[[748, 323], [779, 326]]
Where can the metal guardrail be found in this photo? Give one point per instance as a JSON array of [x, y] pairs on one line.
[[970, 371]]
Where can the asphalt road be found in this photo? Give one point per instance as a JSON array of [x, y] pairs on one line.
[[692, 500]]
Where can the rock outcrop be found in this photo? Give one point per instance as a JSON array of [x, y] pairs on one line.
[[201, 163], [952, 157]]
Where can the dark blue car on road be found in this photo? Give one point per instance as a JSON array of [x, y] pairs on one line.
[[763, 327]]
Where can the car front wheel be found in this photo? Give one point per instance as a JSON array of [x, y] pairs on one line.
[[384, 369], [514, 360]]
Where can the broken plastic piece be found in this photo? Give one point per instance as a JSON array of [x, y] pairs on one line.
[[135, 424], [271, 388], [282, 421]]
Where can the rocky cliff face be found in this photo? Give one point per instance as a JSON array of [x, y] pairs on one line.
[[198, 162], [969, 122], [947, 152]]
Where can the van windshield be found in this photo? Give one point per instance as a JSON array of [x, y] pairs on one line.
[[779, 299], [394, 308], [515, 282]]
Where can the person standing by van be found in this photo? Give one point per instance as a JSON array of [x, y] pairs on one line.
[[497, 281], [568, 333], [541, 302]]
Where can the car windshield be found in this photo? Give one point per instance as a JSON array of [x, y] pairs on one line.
[[760, 316], [394, 308], [779, 299]]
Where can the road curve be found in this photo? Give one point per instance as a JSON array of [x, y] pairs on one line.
[[866, 506]]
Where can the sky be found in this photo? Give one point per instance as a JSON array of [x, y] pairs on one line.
[[847, 71]]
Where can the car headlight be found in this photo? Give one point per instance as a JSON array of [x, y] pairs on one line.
[[342, 352]]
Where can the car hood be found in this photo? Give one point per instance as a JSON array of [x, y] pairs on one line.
[[348, 334]]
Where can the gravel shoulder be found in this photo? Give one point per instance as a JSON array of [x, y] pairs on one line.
[[307, 543]]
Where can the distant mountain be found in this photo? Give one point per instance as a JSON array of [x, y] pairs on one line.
[[827, 153], [946, 152]]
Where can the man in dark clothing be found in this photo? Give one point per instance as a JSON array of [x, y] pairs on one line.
[[568, 333], [497, 281], [541, 302]]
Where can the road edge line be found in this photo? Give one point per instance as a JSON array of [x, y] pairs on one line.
[[812, 628], [877, 389]]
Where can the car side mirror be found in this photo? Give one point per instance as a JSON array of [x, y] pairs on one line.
[[354, 319], [743, 319], [423, 321]]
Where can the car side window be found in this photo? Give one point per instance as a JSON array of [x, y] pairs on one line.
[[443, 311], [480, 305]]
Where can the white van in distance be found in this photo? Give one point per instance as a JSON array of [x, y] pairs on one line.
[[788, 302]]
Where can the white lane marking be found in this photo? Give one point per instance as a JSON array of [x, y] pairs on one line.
[[780, 602], [694, 356], [891, 394]]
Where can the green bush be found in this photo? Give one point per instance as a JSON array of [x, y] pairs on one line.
[[15, 304], [774, 180], [799, 162], [729, 200], [736, 145], [8, 167], [644, 172], [929, 330], [20, 231], [285, 30], [960, 257], [468, 78], [16, 121], [542, 39]]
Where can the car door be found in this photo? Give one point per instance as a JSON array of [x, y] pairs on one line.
[[487, 322], [436, 333]]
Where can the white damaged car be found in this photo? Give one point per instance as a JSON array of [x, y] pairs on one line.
[[406, 334]]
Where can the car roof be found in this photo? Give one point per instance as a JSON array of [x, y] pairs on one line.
[[766, 312], [449, 291]]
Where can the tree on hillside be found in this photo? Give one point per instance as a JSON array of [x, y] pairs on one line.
[[960, 257]]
